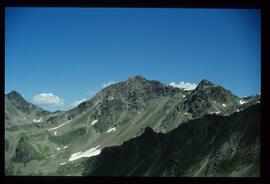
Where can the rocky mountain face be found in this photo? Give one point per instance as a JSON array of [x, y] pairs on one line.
[[38, 142], [16, 108], [209, 146]]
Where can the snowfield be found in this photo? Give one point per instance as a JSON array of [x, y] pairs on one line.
[[39, 120], [224, 105], [111, 129], [59, 126], [94, 122], [89, 153], [242, 101]]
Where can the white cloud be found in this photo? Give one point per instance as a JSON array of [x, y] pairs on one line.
[[77, 102], [184, 85], [47, 99], [107, 84]]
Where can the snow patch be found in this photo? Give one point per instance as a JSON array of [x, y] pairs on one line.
[[58, 148], [59, 125], [55, 133], [37, 121], [89, 153], [139, 112], [217, 112], [65, 147], [184, 96], [24, 118], [258, 101], [111, 129], [242, 101], [63, 163], [224, 105], [94, 122], [186, 113], [237, 110]]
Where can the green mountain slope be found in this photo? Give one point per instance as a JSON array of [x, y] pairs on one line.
[[209, 146]]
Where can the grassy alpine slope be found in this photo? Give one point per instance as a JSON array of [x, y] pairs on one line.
[[210, 146]]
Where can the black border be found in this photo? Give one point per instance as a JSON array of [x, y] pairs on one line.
[[139, 3], [251, 4]]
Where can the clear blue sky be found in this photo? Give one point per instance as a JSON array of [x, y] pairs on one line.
[[71, 52]]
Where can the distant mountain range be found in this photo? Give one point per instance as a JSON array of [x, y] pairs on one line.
[[137, 127]]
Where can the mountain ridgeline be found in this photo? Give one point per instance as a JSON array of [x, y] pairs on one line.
[[137, 127]]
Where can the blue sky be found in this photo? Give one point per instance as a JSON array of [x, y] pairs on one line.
[[68, 53]]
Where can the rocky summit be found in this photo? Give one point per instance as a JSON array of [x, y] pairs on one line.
[[137, 127]]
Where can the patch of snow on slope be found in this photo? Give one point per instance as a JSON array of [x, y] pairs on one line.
[[224, 105], [94, 122], [89, 153], [217, 112], [55, 133], [186, 113], [237, 110], [63, 163], [39, 120], [184, 96], [24, 118], [258, 101], [65, 147], [59, 126], [242, 102], [58, 148], [111, 129]]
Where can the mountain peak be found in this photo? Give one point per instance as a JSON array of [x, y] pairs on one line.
[[205, 83], [18, 101], [14, 94], [136, 78]]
